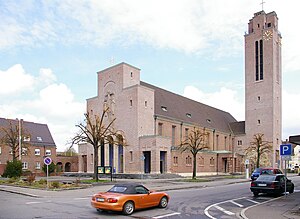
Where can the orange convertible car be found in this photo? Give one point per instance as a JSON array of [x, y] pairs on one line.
[[128, 197]]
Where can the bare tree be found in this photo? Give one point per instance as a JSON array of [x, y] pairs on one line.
[[10, 137], [194, 142], [95, 132], [258, 149]]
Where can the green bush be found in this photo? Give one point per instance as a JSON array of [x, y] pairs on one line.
[[42, 181], [55, 184], [13, 169]]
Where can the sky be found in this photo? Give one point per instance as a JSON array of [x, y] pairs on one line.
[[51, 51]]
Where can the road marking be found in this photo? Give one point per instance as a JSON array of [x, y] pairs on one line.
[[223, 210], [235, 203], [250, 200], [166, 215], [214, 205], [80, 198], [30, 203]]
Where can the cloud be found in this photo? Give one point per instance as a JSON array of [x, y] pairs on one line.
[[47, 102], [225, 99], [15, 80]]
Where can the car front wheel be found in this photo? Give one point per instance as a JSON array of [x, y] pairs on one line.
[[163, 202], [292, 189], [128, 208]]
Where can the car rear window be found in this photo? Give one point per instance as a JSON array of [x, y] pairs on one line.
[[266, 178], [257, 170], [118, 189], [267, 171]]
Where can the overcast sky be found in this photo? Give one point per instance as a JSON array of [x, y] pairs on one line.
[[50, 52]]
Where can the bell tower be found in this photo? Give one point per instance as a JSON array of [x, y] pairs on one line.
[[263, 81]]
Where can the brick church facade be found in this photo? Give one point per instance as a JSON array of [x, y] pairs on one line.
[[154, 121]]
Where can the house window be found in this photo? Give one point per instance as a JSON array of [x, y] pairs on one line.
[[24, 151], [39, 138], [24, 165], [173, 134], [160, 128], [48, 152], [37, 151], [188, 161], [38, 165], [26, 138], [131, 156], [212, 161]]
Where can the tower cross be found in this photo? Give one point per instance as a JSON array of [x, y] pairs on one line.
[[262, 4]]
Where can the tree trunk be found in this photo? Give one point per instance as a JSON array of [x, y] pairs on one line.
[[96, 162], [194, 166]]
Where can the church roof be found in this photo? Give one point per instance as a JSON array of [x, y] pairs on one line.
[[40, 134], [238, 128], [174, 106]]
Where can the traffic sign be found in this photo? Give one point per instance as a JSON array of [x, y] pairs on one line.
[[285, 150], [47, 160]]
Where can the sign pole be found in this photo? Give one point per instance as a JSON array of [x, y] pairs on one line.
[[47, 177], [285, 178]]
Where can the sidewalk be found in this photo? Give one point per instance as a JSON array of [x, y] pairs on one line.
[[280, 208]]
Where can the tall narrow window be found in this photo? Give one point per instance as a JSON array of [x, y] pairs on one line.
[[261, 62], [256, 61], [173, 134], [131, 156], [130, 102], [186, 134], [160, 128]]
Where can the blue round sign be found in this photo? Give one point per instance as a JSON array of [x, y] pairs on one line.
[[47, 160]]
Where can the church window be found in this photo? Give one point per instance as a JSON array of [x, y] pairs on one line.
[[256, 60], [146, 103], [258, 25], [189, 115], [201, 161], [269, 24], [208, 120], [131, 75], [188, 161], [186, 133], [131, 156], [160, 128], [173, 134], [212, 161], [130, 102], [164, 108], [258, 98], [261, 66], [240, 142], [175, 160], [258, 122]]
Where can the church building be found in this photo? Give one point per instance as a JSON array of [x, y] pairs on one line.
[[154, 121]]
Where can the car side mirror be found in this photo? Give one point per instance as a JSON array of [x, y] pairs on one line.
[[149, 192]]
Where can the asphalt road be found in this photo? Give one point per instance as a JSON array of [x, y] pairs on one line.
[[225, 201]]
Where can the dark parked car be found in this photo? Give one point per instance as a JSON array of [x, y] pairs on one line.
[[267, 170], [271, 184]]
